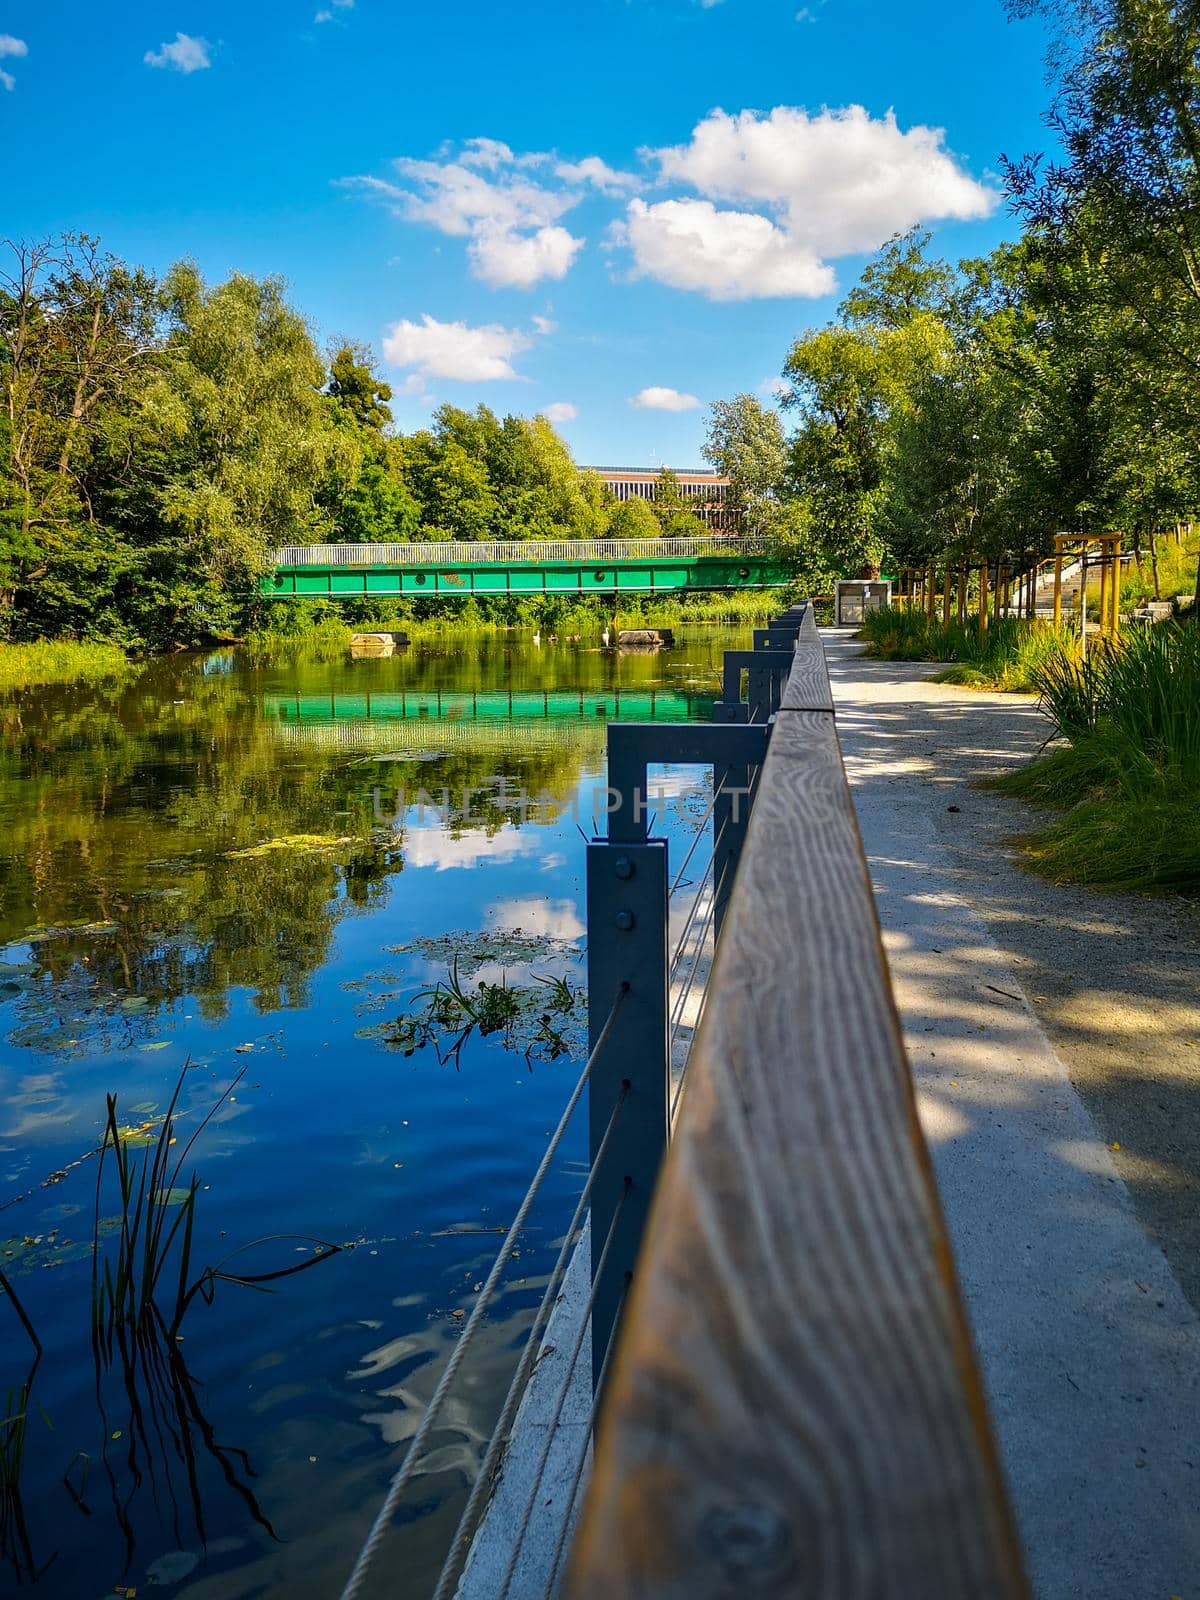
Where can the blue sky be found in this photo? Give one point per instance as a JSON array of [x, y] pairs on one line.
[[605, 208]]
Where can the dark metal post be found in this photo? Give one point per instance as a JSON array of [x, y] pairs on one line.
[[627, 945]]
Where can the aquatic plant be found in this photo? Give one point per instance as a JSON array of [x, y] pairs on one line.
[[447, 1014], [15, 1545], [149, 1286], [140, 1296]]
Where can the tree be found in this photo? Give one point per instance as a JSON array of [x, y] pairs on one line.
[[634, 519], [745, 441], [248, 433], [77, 341], [357, 391]]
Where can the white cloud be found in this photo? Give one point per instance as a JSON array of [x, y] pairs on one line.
[[840, 181], [728, 255], [544, 324], [776, 198], [560, 411], [505, 259], [9, 46], [339, 5], [486, 195], [777, 388], [598, 173], [659, 399], [183, 54], [454, 350]]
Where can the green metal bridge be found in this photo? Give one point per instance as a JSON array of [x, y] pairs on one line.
[[552, 566]]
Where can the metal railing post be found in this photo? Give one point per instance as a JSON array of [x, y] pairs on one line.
[[627, 954]]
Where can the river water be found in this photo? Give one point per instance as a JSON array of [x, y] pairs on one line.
[[219, 875]]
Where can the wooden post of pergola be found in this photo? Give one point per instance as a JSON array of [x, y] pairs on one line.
[[962, 593], [983, 596], [1115, 594], [947, 596], [931, 590], [1105, 547], [1058, 566]]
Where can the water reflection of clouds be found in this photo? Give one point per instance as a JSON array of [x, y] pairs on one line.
[[431, 847], [547, 919]]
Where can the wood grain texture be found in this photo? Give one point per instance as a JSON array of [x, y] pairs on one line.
[[794, 1409], [807, 688]]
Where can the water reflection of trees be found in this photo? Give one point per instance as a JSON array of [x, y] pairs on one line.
[[121, 806]]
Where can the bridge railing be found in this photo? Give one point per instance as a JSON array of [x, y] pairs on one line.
[[793, 1406], [487, 552]]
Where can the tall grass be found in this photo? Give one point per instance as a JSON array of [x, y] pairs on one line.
[[16, 1549], [1005, 655], [1130, 776], [145, 1289], [31, 666], [1176, 563]]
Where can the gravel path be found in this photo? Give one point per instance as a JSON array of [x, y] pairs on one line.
[[1114, 979], [1052, 1033]]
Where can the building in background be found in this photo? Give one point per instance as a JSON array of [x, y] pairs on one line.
[[706, 494]]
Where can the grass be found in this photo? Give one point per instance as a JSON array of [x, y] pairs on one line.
[[1176, 561], [46, 661], [1007, 655], [1128, 780]]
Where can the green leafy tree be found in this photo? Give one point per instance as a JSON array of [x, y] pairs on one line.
[[248, 434], [357, 390], [745, 441]]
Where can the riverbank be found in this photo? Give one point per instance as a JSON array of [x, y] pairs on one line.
[[320, 629], [46, 661], [559, 615]]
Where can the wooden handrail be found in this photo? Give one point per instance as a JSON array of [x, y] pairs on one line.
[[794, 1407]]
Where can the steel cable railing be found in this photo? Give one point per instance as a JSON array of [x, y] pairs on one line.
[[407, 1468], [485, 552], [560, 1401], [483, 1479], [573, 1492], [681, 942]]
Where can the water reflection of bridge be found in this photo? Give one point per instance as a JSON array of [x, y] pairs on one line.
[[484, 719]]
